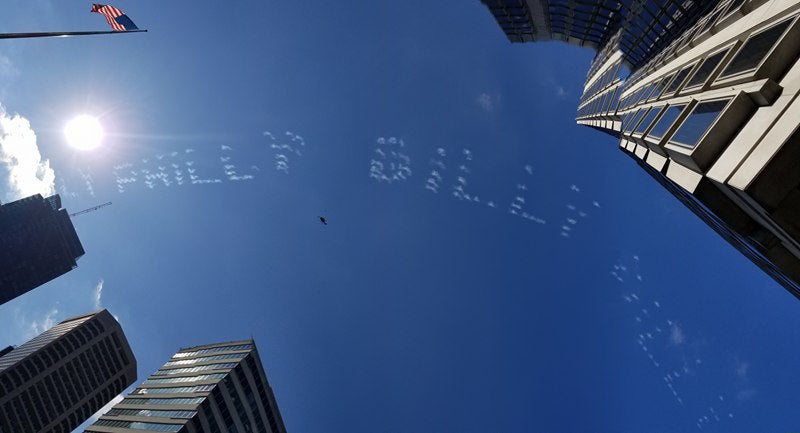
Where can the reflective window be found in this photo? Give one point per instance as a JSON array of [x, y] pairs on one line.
[[670, 114], [156, 413], [184, 379], [696, 125], [706, 68], [147, 401], [754, 50], [648, 119], [224, 366], [634, 120], [678, 80], [175, 390], [214, 349], [660, 87], [151, 426], [206, 359]]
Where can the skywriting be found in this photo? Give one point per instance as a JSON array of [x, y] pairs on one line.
[[491, 216]]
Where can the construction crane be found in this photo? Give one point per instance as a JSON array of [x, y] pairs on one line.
[[91, 209]]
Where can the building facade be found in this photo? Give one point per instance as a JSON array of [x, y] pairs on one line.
[[215, 388], [39, 243], [703, 95], [57, 380]]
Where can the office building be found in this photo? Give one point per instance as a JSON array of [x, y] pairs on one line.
[[215, 388], [703, 96], [38, 243], [57, 380]]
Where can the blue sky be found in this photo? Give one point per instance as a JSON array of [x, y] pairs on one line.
[[539, 281]]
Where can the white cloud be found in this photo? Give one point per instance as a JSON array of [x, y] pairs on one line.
[[36, 327], [97, 295], [676, 337], [21, 164]]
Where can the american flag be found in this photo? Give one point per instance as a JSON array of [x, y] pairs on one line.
[[118, 20]]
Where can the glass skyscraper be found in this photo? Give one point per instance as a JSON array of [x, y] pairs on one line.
[[215, 388], [703, 96]]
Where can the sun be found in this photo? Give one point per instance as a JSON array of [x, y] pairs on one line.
[[84, 132]]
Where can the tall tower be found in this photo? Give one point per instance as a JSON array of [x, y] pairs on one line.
[[215, 388], [58, 379], [703, 95], [37, 244]]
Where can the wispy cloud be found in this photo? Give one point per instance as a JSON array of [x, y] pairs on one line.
[[37, 326], [97, 294], [676, 337], [560, 92], [487, 102]]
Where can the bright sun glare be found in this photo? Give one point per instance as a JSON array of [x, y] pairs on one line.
[[84, 132]]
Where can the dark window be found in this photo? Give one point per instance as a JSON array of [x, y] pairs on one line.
[[706, 68], [754, 50], [670, 114], [678, 80], [693, 128]]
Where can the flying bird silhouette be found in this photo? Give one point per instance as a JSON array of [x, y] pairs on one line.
[[323, 220]]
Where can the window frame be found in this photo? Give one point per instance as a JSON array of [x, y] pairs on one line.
[[692, 68], [718, 135], [728, 51], [640, 135], [775, 62], [687, 107]]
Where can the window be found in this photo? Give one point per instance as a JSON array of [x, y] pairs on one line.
[[184, 379], [754, 50], [706, 69], [148, 401], [698, 122], [667, 119], [139, 425], [225, 366], [206, 359], [648, 119], [679, 79], [214, 349], [660, 87], [634, 120], [626, 117], [155, 413], [175, 390]]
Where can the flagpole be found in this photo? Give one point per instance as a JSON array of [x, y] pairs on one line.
[[62, 34]]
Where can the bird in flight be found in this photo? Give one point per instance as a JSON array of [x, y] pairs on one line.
[[323, 220]]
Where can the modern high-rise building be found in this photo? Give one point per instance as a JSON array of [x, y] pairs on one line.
[[57, 380], [37, 244], [216, 388], [703, 95]]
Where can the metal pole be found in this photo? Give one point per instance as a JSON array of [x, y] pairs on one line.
[[62, 34]]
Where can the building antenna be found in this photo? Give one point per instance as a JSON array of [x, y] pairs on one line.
[[91, 209]]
